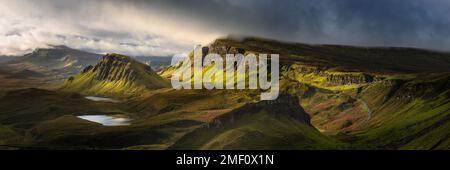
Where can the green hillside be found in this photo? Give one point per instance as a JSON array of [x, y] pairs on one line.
[[341, 58], [398, 101], [115, 75], [280, 124], [332, 97]]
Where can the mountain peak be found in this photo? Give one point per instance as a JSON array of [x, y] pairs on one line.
[[117, 57], [115, 74], [118, 67]]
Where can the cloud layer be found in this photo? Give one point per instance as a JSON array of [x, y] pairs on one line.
[[165, 27]]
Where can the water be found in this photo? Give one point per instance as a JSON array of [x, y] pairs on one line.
[[101, 99], [106, 120]]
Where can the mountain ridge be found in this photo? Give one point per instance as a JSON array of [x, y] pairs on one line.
[[56, 61], [389, 59], [330, 98]]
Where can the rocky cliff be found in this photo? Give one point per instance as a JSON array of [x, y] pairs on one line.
[[349, 78], [284, 106]]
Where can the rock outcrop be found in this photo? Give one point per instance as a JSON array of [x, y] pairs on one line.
[[224, 49], [284, 106], [349, 78]]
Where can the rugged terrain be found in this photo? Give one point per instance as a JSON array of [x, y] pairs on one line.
[[387, 98], [43, 68], [333, 97]]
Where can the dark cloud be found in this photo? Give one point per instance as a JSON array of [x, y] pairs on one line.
[[163, 27], [420, 23]]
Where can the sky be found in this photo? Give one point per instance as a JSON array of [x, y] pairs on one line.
[[167, 27]]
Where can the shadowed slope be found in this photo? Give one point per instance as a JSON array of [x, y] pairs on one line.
[[279, 124]]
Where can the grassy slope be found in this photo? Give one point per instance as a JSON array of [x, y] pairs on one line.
[[47, 120], [344, 108], [413, 114], [87, 84], [414, 117], [258, 131], [164, 116]]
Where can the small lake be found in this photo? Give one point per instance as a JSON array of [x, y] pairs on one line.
[[107, 120], [101, 99]]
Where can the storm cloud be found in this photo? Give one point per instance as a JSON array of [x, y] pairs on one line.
[[165, 27]]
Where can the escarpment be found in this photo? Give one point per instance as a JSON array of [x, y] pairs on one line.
[[224, 49], [284, 106], [349, 78]]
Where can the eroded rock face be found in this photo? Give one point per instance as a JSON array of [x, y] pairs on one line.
[[115, 67], [410, 91], [349, 78], [333, 78], [308, 70], [284, 106], [224, 49], [407, 90]]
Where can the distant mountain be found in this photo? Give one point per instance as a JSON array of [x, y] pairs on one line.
[[6, 58], [115, 74], [58, 60], [155, 62]]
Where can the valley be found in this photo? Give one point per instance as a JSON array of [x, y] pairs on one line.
[[332, 97]]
